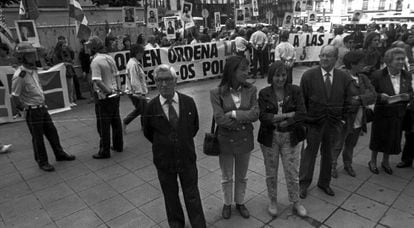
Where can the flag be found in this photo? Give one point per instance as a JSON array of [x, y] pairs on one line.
[[22, 10], [28, 9], [76, 12], [6, 36]]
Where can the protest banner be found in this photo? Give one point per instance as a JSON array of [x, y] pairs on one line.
[[308, 45], [54, 86]]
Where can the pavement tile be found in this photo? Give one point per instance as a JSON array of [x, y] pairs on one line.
[[136, 162], [142, 194], [84, 182], [10, 179], [389, 181], [340, 195], [211, 163], [258, 208], [111, 172], [44, 181], [36, 218], [405, 173], [318, 209], [125, 182], [7, 168], [212, 207], [54, 193], [132, 219], [345, 219], [378, 193], [210, 182], [14, 191], [365, 207], [256, 182], [362, 171], [405, 203], [31, 172], [97, 164], [112, 208], [409, 189], [239, 222], [74, 171], [82, 218], [17, 208], [202, 171], [97, 194], [64, 207], [156, 210], [346, 182], [397, 218], [288, 219], [257, 165], [147, 173]]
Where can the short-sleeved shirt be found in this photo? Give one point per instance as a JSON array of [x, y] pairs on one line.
[[104, 69], [27, 87]]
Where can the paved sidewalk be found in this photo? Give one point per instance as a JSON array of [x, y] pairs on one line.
[[124, 190]]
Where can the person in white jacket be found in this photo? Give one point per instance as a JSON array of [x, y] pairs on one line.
[[135, 85]]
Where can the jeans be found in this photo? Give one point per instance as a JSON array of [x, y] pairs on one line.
[[189, 186], [324, 135], [259, 56], [107, 116], [346, 144], [240, 162], [290, 159], [40, 123]]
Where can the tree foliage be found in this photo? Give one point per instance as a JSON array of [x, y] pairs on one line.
[[4, 3], [116, 3]]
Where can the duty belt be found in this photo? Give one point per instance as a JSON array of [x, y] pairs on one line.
[[30, 107]]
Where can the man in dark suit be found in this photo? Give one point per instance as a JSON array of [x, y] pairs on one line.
[[170, 124], [326, 94]]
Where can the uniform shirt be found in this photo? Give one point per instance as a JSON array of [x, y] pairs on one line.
[[150, 46], [285, 51], [135, 78], [27, 88], [258, 38], [175, 104], [104, 69], [241, 43]]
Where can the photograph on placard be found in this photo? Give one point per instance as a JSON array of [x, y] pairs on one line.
[[186, 12], [140, 3], [248, 12], [240, 16], [128, 15], [27, 32], [217, 21], [298, 5], [356, 17], [255, 8], [312, 17], [152, 18], [287, 20], [169, 24]]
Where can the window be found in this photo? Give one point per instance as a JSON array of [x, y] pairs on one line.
[[382, 5], [398, 6], [365, 5]]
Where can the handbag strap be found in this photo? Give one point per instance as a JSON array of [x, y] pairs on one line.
[[213, 123]]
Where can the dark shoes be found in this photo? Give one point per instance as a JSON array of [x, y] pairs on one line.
[[350, 171], [387, 169], [328, 190], [47, 167], [100, 156], [226, 213], [303, 193], [117, 150], [404, 164], [243, 210], [372, 168], [65, 157]]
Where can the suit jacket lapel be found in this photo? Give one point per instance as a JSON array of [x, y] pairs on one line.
[[321, 81], [160, 109], [388, 82], [403, 83]]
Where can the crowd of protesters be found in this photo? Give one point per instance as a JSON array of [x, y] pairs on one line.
[[330, 109]]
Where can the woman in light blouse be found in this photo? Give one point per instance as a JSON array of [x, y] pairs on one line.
[[235, 108]]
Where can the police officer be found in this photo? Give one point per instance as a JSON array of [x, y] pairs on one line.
[[28, 96], [105, 77]]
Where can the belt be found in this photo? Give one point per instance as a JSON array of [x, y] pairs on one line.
[[30, 107]]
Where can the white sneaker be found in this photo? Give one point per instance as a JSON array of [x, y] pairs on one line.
[[5, 148], [300, 209], [272, 209], [73, 104]]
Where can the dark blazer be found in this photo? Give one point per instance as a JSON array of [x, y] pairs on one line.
[[367, 96], [293, 102], [173, 149], [319, 107], [235, 136]]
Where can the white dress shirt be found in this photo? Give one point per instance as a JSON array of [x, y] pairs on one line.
[[325, 72], [395, 80], [175, 104]]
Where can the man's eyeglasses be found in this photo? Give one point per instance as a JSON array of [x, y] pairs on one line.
[[166, 80]]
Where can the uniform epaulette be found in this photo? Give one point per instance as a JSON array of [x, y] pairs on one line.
[[22, 74]]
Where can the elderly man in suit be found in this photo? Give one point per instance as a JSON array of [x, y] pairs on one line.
[[326, 94], [170, 124]]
